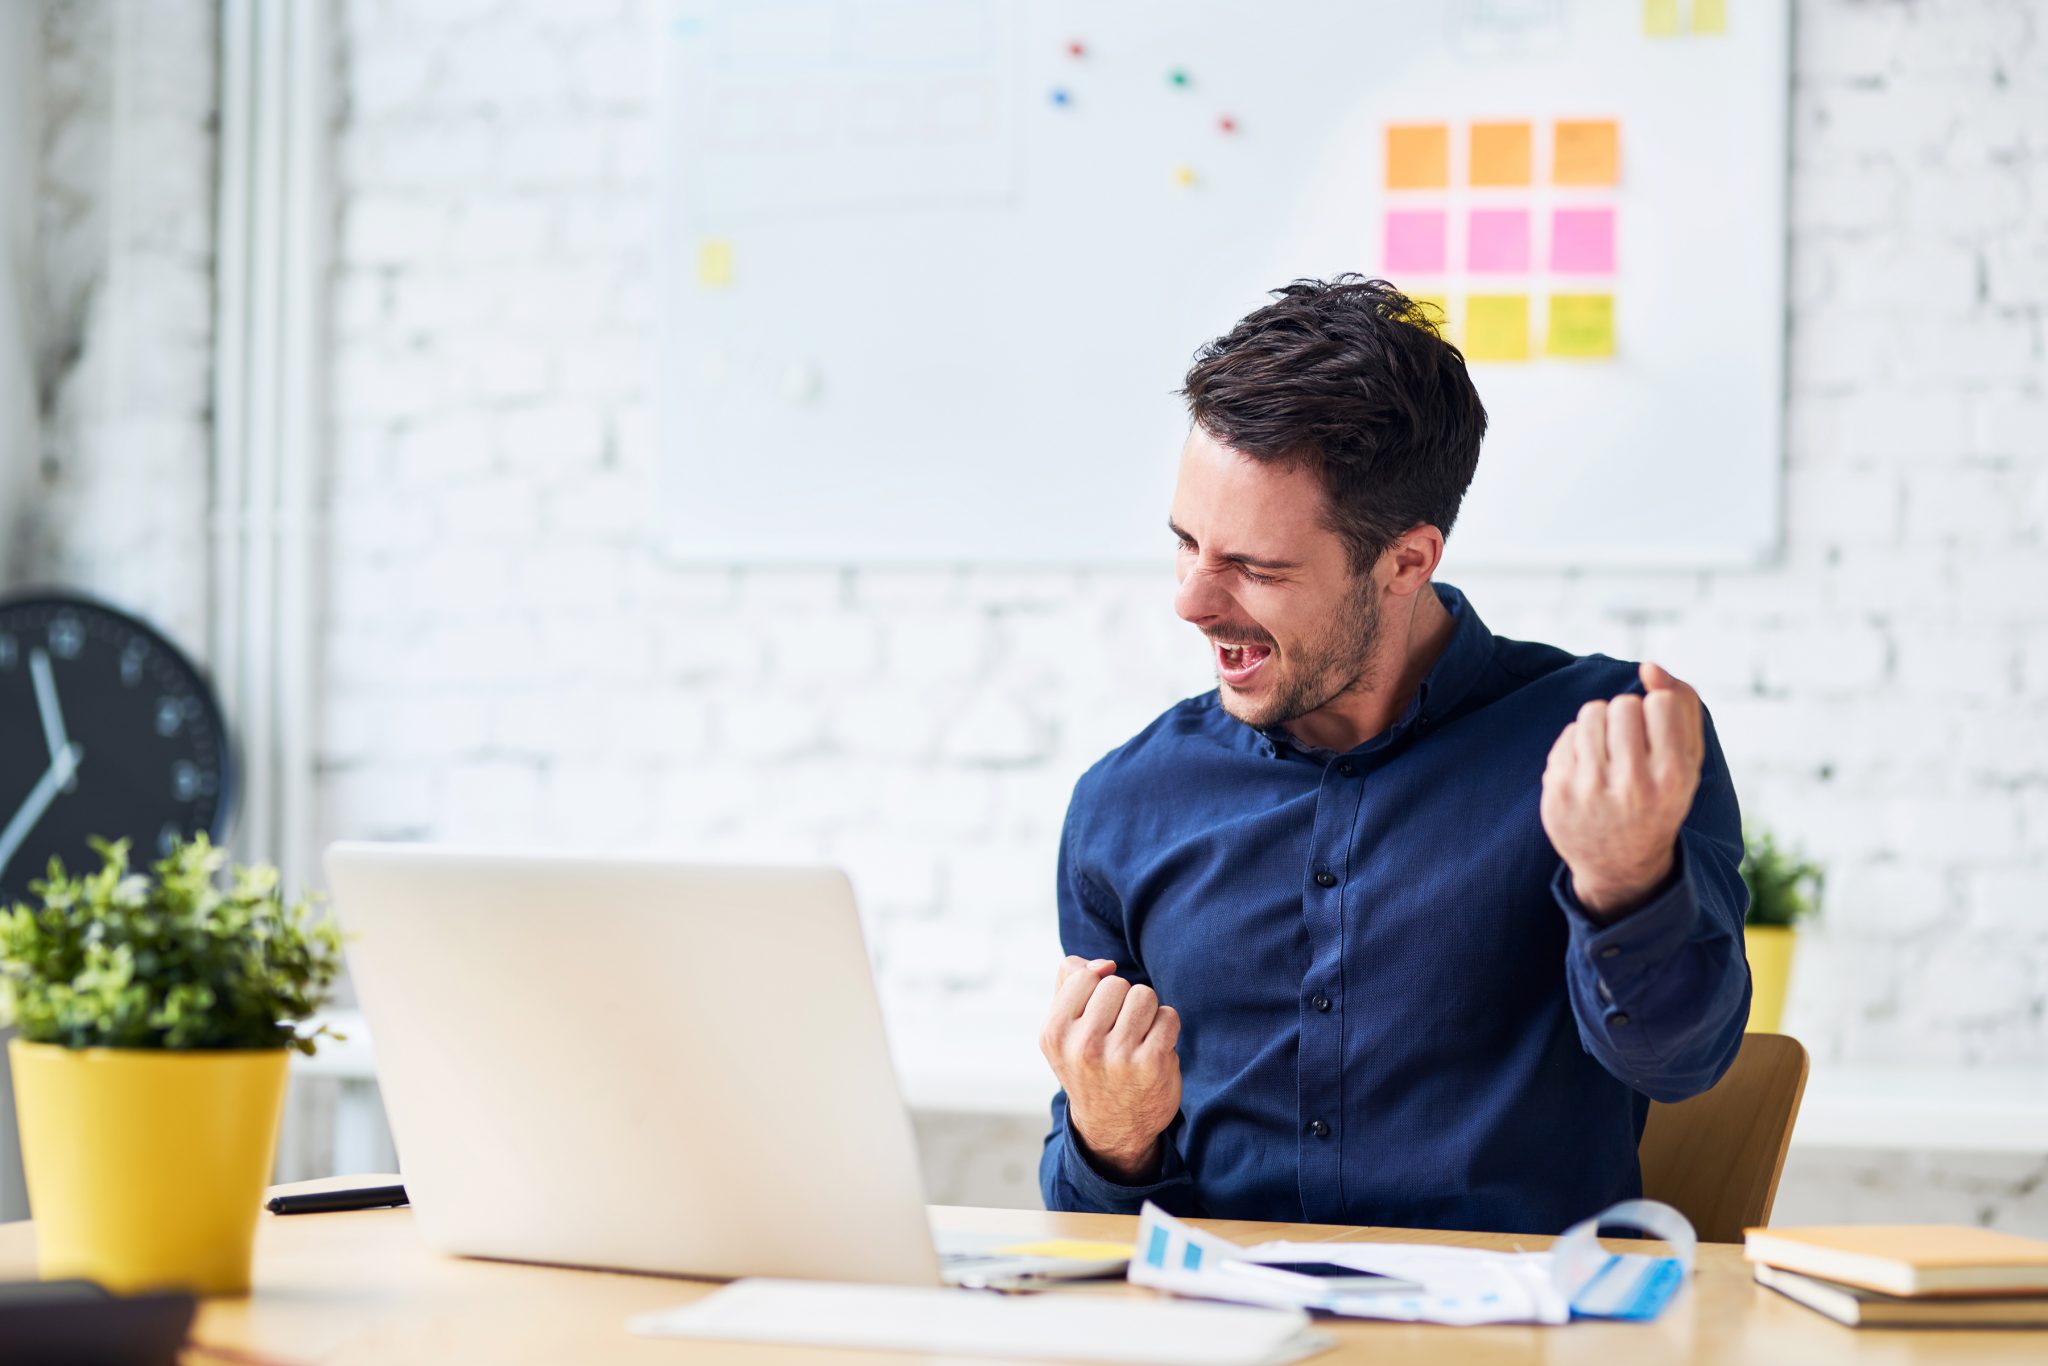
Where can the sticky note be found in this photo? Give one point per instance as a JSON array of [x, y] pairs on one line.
[[1497, 241], [714, 264], [1436, 309], [1586, 152], [1497, 327], [1582, 241], [1660, 18], [1076, 1249], [1581, 326], [1415, 241], [1418, 156], [1500, 154], [1709, 16]]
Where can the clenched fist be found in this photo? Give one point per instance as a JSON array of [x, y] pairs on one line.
[[1111, 1045], [1619, 783]]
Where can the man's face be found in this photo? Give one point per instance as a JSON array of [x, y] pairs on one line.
[[1290, 628]]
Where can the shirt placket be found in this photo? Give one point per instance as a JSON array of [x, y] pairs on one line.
[[1322, 1114]]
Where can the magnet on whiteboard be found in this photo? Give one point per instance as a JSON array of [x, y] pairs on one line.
[[1184, 176], [801, 382], [1227, 124], [1177, 77], [1061, 97], [1076, 49]]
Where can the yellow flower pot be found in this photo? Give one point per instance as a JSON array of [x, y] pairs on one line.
[[1769, 948], [146, 1167]]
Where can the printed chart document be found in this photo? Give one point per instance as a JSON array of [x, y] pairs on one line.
[[1577, 1278], [1050, 1326]]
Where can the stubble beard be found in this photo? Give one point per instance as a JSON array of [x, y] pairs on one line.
[[1333, 665]]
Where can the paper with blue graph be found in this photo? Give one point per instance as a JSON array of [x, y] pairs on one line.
[[1577, 1278]]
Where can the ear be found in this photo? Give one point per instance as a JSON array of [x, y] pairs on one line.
[[1411, 560]]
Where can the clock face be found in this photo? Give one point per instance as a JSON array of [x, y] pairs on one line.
[[105, 729]]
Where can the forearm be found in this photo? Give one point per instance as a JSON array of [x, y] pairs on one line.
[[1662, 993], [1069, 1178]]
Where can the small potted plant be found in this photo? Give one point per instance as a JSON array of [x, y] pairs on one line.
[[1783, 890], [156, 1013]]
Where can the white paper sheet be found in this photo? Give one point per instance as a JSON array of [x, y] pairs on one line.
[[1051, 1326]]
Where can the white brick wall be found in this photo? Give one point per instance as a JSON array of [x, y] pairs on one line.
[[509, 658], [123, 319], [513, 660]]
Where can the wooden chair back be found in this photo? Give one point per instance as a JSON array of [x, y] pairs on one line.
[[1717, 1157]]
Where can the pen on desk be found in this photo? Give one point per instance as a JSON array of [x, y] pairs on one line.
[[333, 1202]]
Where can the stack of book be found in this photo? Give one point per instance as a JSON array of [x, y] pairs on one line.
[[1918, 1275]]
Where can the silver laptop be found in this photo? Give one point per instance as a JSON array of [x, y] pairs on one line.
[[640, 1065]]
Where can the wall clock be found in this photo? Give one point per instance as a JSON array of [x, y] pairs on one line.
[[106, 729]]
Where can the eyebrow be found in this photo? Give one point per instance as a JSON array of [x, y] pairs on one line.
[[1252, 560]]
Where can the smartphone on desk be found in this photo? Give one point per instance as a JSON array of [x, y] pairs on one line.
[[1325, 1278]]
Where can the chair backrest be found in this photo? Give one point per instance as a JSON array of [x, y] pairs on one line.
[[1717, 1157]]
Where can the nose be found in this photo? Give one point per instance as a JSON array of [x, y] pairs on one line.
[[1200, 599]]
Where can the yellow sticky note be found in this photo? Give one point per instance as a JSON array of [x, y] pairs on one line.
[[1073, 1249], [1588, 152], [714, 263], [1709, 16], [1497, 327], [1500, 154], [1418, 156], [1581, 326], [1436, 308], [1660, 18]]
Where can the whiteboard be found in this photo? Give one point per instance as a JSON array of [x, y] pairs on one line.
[[929, 280]]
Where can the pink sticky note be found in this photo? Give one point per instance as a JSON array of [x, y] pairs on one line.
[[1582, 241], [1498, 241], [1415, 240]]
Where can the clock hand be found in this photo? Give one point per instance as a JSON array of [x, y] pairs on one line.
[[46, 703], [39, 798]]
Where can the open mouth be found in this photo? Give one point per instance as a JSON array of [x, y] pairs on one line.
[[1236, 664]]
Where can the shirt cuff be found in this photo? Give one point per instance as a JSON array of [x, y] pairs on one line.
[[1100, 1192], [1623, 951]]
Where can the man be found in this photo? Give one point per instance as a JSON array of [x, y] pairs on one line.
[[1405, 923]]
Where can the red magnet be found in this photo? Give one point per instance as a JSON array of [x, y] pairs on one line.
[[1227, 124], [1076, 50]]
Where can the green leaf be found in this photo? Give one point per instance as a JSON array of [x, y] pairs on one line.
[[180, 957]]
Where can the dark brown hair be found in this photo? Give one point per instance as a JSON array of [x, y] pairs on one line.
[[1353, 379]]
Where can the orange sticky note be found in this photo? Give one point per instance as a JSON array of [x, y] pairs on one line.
[[1588, 152], [1581, 326], [1497, 327], [1418, 156], [1709, 16], [1500, 154]]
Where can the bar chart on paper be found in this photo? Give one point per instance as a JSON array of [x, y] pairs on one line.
[[933, 271]]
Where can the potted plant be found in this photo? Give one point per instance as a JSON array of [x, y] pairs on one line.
[[1783, 890], [156, 1014]]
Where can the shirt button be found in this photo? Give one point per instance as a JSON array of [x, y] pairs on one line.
[[1348, 769], [1617, 1018], [1318, 1128], [1325, 878], [1320, 1002], [1610, 952]]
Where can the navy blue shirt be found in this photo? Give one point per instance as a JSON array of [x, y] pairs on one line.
[[1392, 1009]]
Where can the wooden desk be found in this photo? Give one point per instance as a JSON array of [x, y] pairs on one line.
[[360, 1288]]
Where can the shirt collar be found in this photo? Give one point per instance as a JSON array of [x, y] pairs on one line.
[[1452, 676]]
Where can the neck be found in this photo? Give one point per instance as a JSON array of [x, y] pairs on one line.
[[1407, 650]]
